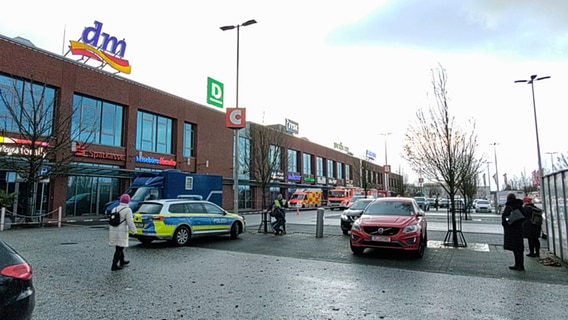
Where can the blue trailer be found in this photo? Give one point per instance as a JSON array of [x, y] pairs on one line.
[[171, 184]]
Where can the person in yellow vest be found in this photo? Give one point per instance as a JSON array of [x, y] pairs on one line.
[[279, 213]]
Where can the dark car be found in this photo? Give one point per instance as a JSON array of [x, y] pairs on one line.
[[17, 292], [353, 213], [391, 223]]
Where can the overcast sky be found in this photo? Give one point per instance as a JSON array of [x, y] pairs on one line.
[[346, 71]]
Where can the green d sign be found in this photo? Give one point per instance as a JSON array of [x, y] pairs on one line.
[[214, 92]]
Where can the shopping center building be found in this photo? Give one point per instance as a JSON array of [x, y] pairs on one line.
[[127, 127]]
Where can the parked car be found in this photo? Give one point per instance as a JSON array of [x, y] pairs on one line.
[[482, 205], [422, 203], [391, 223], [431, 202], [353, 213], [17, 292], [356, 198], [179, 220], [444, 203]]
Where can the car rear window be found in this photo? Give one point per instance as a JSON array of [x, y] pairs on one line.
[[150, 208], [390, 208]]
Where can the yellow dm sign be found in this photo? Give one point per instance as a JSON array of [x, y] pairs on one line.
[[102, 47]]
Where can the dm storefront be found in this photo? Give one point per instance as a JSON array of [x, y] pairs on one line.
[[119, 127]]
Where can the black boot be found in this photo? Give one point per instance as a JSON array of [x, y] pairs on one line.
[[519, 261], [123, 262], [116, 258], [115, 265]]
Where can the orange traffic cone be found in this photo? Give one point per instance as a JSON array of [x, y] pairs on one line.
[[297, 211]]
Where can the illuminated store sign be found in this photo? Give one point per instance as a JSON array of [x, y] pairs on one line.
[[13, 146], [103, 47], [161, 161], [294, 177], [81, 151]]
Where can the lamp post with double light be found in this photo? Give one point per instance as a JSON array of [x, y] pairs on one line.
[[237, 134], [531, 82], [386, 168]]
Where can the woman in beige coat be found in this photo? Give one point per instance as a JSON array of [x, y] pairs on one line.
[[118, 236]]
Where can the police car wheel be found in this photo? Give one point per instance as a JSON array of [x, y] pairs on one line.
[[234, 231], [181, 236]]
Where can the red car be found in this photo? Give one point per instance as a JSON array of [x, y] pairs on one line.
[[391, 223]]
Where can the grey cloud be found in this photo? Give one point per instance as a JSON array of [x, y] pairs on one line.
[[535, 29]]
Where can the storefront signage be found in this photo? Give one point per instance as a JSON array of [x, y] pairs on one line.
[[321, 180], [309, 178], [21, 150], [294, 177], [13, 146], [278, 175], [235, 118], [81, 151], [161, 161], [292, 127], [103, 47], [215, 92]]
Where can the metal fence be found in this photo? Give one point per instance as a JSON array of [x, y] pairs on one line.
[[555, 194]]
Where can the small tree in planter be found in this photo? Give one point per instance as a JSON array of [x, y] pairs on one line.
[[7, 199]]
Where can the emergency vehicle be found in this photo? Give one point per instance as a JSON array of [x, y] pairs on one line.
[[340, 197], [305, 198]]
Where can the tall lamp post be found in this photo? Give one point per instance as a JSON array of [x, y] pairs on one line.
[[237, 134], [551, 153], [385, 134], [540, 176], [494, 144]]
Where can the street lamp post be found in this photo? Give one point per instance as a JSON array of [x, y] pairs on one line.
[[531, 82], [385, 134], [551, 153], [237, 132], [494, 144]]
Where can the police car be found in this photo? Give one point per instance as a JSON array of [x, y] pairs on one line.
[[179, 220]]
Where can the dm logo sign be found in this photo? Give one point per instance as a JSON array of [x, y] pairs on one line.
[[214, 92], [103, 47]]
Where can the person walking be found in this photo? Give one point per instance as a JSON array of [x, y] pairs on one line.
[[118, 235], [532, 226], [513, 233]]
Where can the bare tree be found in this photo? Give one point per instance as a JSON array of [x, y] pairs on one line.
[[267, 146], [439, 149], [41, 136]]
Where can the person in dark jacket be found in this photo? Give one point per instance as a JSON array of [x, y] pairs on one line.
[[531, 231], [513, 233]]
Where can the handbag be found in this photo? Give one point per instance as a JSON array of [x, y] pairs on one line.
[[516, 215]]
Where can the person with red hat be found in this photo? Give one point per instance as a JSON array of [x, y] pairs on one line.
[[532, 226], [118, 235]]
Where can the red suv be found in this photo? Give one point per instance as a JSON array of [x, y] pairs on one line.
[[391, 223]]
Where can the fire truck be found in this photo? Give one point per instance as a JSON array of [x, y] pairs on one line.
[[305, 198], [339, 197]]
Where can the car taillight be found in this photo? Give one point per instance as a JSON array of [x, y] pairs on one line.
[[21, 271], [161, 218]]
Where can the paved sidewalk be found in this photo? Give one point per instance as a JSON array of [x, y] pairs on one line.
[[483, 257]]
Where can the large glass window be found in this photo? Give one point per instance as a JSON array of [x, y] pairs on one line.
[[154, 133], [319, 167], [339, 170], [97, 121], [274, 157], [188, 140], [347, 172], [26, 106], [307, 164], [330, 172], [292, 160]]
